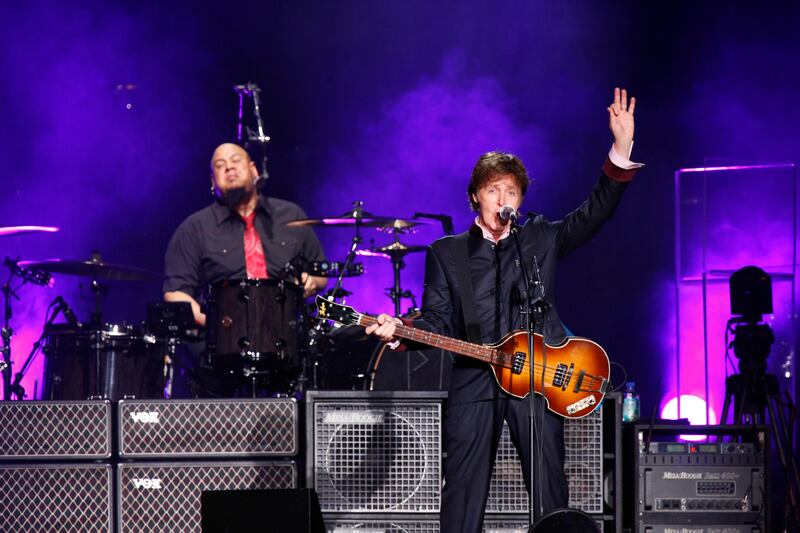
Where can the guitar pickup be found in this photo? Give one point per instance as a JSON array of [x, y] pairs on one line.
[[562, 375], [518, 363]]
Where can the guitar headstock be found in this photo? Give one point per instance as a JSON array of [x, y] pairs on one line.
[[343, 314]]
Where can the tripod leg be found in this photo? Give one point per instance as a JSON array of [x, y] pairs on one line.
[[780, 435], [724, 417]]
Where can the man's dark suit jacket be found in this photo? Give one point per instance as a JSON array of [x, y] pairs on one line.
[[491, 266]]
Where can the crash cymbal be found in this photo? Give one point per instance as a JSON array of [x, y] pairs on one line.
[[94, 269], [17, 230], [360, 218], [396, 249]]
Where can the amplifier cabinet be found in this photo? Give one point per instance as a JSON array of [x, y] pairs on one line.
[[701, 528], [56, 498], [375, 452], [412, 524], [208, 428], [382, 524], [166, 496], [585, 441], [59, 430]]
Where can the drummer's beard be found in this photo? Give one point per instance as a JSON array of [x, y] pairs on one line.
[[234, 197]]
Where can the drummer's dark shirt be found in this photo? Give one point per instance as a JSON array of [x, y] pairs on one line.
[[209, 245]]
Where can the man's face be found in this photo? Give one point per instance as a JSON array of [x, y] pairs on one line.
[[232, 168], [499, 190]]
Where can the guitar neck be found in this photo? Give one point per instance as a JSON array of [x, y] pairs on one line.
[[468, 349]]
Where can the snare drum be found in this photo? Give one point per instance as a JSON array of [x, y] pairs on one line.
[[257, 319], [112, 361]]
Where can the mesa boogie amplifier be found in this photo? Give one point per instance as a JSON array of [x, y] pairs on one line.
[[259, 427], [166, 496], [375, 452], [715, 477], [714, 486], [701, 528], [55, 430], [407, 524]]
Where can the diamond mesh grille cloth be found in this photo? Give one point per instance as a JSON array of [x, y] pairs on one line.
[[219, 427], [166, 497], [55, 498], [55, 429]]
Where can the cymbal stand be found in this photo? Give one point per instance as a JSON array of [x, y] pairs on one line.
[[396, 292], [251, 89], [7, 333], [16, 387], [358, 214], [26, 275], [98, 345]]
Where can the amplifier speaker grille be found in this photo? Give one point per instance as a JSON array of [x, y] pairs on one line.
[[55, 430], [166, 496], [408, 525], [376, 455], [55, 498], [179, 428], [583, 440]]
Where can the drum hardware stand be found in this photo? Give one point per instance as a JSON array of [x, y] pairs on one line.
[[251, 89], [396, 255], [26, 275], [357, 213], [16, 387]]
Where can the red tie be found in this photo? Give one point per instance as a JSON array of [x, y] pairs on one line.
[[254, 260]]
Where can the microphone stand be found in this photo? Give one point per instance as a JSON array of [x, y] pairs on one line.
[[16, 386], [535, 497]]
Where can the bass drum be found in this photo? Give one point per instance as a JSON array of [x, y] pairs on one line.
[[427, 369]]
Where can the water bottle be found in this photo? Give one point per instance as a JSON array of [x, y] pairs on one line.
[[630, 403]]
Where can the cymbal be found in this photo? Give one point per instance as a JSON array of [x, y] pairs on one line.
[[361, 218], [396, 249], [17, 230], [92, 269]]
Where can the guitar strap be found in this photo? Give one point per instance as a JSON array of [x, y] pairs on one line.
[[471, 324]]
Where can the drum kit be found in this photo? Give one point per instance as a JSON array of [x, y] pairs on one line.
[[260, 334]]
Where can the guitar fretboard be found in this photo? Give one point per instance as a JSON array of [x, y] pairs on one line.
[[468, 349]]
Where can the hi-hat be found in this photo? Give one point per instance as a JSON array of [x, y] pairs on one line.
[[396, 249]]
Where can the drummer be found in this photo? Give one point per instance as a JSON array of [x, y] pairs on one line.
[[241, 235]]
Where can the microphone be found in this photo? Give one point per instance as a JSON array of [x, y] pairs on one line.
[[68, 313], [509, 213]]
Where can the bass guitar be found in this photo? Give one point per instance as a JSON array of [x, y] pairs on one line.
[[575, 376]]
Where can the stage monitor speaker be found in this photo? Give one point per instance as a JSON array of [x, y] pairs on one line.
[[375, 452], [56, 498], [55, 430], [283, 510], [209, 428], [166, 496]]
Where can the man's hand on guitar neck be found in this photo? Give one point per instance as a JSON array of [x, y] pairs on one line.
[[384, 327]]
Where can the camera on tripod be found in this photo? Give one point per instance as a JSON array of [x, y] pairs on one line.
[[751, 299]]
